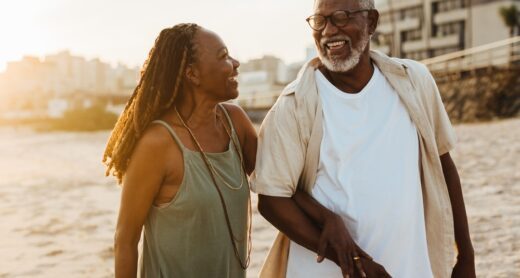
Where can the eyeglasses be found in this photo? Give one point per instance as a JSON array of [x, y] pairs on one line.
[[338, 18]]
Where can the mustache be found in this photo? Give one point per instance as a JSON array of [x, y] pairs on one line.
[[346, 38]]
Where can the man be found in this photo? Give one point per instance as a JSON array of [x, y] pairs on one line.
[[368, 138]]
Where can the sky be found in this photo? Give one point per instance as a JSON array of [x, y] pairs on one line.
[[124, 30]]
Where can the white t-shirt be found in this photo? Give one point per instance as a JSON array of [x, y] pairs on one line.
[[369, 175]]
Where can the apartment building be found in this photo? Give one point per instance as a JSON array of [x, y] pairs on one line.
[[63, 74], [420, 29], [260, 79]]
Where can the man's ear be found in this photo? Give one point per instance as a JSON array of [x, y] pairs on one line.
[[373, 18], [192, 75]]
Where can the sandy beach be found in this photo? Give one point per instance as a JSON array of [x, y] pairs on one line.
[[58, 211]]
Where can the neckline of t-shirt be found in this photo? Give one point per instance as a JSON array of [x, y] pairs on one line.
[[340, 93]]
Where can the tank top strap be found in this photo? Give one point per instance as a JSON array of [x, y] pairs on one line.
[[234, 134], [228, 118], [171, 131]]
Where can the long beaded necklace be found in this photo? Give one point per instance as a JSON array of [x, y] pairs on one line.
[[242, 171], [214, 173]]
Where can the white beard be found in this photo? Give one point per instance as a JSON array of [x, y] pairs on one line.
[[337, 65]]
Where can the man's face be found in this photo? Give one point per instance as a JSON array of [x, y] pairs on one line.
[[340, 48]]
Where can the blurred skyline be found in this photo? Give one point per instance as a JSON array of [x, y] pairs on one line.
[[124, 31]]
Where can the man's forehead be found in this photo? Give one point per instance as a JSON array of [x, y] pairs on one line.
[[329, 6]]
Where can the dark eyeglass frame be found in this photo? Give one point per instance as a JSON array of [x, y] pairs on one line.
[[330, 18]]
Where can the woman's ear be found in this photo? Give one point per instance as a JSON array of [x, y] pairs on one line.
[[192, 76]]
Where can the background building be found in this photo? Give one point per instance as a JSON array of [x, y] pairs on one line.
[[420, 29], [62, 81], [63, 74], [261, 80]]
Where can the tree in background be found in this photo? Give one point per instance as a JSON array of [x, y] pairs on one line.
[[511, 18]]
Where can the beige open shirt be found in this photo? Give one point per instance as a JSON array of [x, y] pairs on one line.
[[289, 149]]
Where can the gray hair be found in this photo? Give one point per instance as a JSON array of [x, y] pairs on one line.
[[364, 4], [367, 4]]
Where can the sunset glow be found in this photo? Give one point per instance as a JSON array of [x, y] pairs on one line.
[[123, 31]]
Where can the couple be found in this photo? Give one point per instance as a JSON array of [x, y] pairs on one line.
[[352, 163]]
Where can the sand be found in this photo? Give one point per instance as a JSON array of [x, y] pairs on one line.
[[58, 212]]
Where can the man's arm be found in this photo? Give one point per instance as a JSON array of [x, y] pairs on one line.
[[335, 234], [466, 258], [286, 215], [326, 220]]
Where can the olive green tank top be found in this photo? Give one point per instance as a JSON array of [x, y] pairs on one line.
[[188, 237]]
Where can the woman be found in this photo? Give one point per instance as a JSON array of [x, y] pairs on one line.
[[183, 157]]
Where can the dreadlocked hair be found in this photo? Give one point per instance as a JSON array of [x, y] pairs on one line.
[[160, 83]]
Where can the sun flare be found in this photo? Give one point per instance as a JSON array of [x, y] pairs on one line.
[[21, 30]]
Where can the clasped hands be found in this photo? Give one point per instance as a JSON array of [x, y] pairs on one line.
[[336, 242]]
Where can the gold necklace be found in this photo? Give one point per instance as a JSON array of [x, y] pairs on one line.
[[212, 168], [245, 264], [242, 171]]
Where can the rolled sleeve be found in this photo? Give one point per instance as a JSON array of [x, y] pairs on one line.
[[444, 133], [280, 156]]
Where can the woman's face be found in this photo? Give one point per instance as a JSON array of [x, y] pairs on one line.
[[214, 70]]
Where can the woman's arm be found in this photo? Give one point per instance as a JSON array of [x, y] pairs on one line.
[[141, 183]]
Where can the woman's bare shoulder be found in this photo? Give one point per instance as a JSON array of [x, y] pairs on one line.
[[157, 143], [237, 114]]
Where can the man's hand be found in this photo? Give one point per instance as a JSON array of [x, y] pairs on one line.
[[464, 269], [335, 241], [335, 235], [372, 269]]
